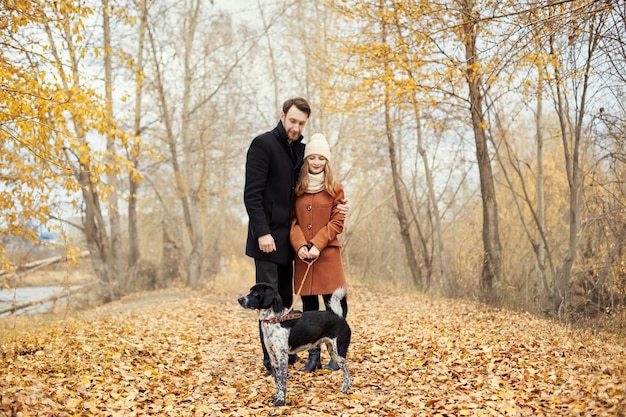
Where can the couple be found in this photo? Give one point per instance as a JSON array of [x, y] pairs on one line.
[[284, 176]]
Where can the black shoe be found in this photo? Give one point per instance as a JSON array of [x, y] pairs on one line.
[[332, 365], [314, 361]]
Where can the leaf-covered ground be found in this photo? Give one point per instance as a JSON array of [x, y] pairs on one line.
[[410, 356]]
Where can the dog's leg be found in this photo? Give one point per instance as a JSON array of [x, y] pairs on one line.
[[280, 378], [278, 350], [343, 365]]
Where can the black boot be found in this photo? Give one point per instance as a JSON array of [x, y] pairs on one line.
[[314, 361], [332, 365]]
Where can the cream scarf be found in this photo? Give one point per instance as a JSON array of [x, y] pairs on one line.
[[316, 183]]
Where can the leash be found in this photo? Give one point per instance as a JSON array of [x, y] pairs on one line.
[[286, 316], [306, 273]]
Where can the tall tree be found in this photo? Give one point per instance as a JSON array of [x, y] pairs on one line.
[[492, 261], [412, 38], [585, 32], [198, 68], [422, 65], [118, 267], [401, 213], [135, 149], [58, 137], [187, 191]]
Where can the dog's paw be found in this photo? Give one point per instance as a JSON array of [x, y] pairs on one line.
[[278, 400]]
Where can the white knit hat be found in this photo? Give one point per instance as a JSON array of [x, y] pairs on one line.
[[317, 145]]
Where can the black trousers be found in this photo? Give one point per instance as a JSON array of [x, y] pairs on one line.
[[281, 276], [312, 303]]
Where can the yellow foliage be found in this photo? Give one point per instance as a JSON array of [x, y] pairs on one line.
[[51, 119]]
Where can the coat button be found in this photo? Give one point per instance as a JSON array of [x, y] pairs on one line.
[[309, 227], [309, 208]]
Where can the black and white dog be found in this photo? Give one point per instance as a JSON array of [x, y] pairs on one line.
[[286, 334]]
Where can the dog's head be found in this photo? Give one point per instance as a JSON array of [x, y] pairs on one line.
[[262, 296]]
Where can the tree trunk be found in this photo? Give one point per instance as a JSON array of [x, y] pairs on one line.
[[96, 236], [541, 281], [169, 270], [273, 65], [195, 225], [191, 262], [401, 213], [433, 207], [405, 232], [133, 183], [571, 149], [119, 275], [492, 257]]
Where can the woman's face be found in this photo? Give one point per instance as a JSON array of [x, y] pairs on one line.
[[316, 163]]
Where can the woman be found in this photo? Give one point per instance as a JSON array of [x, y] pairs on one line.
[[314, 231]]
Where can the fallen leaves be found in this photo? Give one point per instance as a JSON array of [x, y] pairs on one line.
[[410, 356]]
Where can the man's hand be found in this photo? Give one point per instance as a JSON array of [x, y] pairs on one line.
[[343, 207], [266, 243]]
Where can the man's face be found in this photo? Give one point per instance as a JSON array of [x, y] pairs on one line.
[[294, 122]]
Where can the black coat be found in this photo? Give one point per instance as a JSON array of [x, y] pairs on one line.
[[272, 168]]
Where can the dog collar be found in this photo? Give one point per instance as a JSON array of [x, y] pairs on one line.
[[283, 317]]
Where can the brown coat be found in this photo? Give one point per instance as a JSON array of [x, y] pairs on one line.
[[317, 220]]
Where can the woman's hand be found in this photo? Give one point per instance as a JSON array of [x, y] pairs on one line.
[[303, 253], [314, 253]]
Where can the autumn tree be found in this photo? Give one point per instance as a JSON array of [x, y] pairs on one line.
[[474, 75], [363, 85], [421, 65], [586, 33], [118, 267], [201, 75], [135, 148], [565, 61], [55, 120]]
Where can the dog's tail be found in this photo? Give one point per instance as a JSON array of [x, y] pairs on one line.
[[335, 301]]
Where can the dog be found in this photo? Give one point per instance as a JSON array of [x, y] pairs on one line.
[[287, 333]]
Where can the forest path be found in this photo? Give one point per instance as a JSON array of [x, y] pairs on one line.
[[183, 353]]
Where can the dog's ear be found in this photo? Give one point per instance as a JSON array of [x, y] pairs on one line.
[[267, 297], [272, 299]]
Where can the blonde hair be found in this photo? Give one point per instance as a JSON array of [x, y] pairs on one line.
[[303, 180]]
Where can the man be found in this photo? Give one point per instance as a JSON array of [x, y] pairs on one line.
[[273, 163]]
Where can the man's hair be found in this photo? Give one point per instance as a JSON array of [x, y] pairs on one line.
[[300, 103]]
